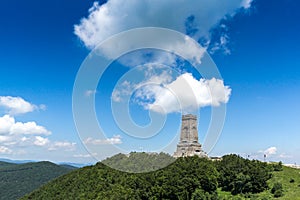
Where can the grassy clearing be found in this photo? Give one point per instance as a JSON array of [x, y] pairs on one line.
[[288, 177]]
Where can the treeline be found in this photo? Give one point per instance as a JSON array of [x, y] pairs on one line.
[[241, 176], [186, 178]]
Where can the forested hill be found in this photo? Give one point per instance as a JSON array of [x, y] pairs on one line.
[[139, 161], [16, 180], [187, 178]]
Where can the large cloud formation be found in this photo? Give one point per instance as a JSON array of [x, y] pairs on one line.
[[195, 18], [186, 94], [15, 135]]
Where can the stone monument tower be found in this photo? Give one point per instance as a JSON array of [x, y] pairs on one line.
[[188, 144]]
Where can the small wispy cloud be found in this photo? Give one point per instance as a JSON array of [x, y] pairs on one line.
[[116, 139], [89, 93], [221, 45], [284, 155], [270, 151], [84, 155], [62, 145], [5, 150], [246, 3], [152, 74]]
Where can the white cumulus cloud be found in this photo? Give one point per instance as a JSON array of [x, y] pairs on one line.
[[185, 94], [17, 105], [8, 125], [40, 141], [15, 136]]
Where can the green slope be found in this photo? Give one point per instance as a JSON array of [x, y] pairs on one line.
[[290, 180], [4, 165], [291, 189], [177, 181], [139, 162], [18, 179], [186, 178]]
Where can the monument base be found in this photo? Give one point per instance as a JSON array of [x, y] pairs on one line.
[[189, 149]]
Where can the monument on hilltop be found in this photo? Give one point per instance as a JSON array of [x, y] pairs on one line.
[[188, 144]]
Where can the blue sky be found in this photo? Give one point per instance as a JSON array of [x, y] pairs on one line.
[[256, 51]]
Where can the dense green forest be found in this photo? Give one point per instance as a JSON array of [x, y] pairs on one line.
[[139, 162], [16, 180], [187, 178]]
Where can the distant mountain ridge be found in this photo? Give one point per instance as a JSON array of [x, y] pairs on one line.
[[76, 165], [18, 179], [16, 161]]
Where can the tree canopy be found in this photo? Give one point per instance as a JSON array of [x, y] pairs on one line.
[[186, 178]]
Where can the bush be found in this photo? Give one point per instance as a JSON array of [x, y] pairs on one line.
[[276, 186], [278, 167], [278, 193], [277, 190]]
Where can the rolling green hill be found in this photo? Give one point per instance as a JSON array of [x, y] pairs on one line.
[[187, 178], [288, 177], [18, 179], [290, 180], [4, 165], [139, 162], [101, 182]]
